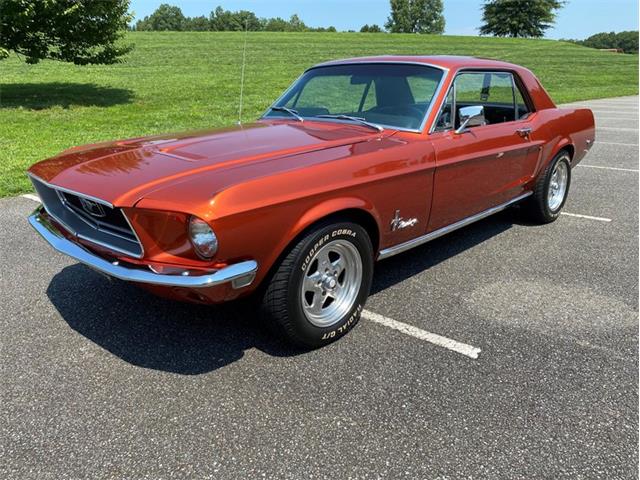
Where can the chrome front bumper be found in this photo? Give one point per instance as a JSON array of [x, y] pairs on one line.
[[239, 275]]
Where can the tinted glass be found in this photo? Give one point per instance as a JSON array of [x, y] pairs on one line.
[[493, 90], [523, 109], [394, 95]]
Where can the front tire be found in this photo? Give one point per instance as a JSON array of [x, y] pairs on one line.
[[319, 289], [551, 190]]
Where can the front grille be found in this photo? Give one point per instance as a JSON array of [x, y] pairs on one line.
[[89, 219]]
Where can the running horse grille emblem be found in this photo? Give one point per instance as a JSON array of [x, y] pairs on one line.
[[92, 208]]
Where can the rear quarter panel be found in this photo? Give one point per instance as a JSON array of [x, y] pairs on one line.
[[566, 128]]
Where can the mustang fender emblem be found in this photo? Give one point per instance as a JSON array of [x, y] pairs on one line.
[[399, 223]]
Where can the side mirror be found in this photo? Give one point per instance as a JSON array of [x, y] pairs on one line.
[[471, 117]]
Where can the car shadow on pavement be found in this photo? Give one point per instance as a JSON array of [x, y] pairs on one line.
[[151, 332], [405, 265], [156, 333]]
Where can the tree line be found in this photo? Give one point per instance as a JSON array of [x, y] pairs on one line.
[[626, 41], [502, 18], [170, 18], [90, 32]]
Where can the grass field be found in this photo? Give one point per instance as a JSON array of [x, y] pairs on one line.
[[179, 81]]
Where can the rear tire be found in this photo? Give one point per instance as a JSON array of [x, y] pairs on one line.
[[319, 289], [551, 190]]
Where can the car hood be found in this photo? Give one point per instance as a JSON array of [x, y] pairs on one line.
[[122, 172]]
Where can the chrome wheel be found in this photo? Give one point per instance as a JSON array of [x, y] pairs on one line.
[[558, 185], [331, 283]]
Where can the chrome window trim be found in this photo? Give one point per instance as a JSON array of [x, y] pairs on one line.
[[84, 237], [445, 72], [415, 242], [453, 81]]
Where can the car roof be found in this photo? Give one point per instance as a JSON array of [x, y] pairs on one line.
[[451, 62]]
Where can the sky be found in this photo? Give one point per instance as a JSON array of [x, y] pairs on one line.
[[578, 19]]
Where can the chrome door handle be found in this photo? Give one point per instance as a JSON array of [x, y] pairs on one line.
[[524, 132]]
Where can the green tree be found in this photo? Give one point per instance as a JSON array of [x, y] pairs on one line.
[[276, 24], [519, 18], [196, 24], [222, 20], [296, 24], [166, 17], [626, 41], [65, 30], [370, 28], [416, 16]]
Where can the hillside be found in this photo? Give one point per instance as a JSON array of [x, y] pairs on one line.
[[177, 81]]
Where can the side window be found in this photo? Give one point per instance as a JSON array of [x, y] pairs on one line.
[[497, 92], [470, 89], [493, 90], [500, 91], [521, 105]]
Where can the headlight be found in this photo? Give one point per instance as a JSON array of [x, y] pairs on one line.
[[202, 237]]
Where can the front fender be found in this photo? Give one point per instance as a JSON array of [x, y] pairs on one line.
[[333, 206]]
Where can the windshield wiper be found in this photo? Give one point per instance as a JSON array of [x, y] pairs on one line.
[[359, 120], [290, 111]]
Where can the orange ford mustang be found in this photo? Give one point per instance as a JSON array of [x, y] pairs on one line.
[[357, 161]]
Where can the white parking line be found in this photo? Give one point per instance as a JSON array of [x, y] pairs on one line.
[[30, 196], [612, 108], [606, 108], [453, 345], [588, 217], [598, 142], [608, 168], [617, 128], [626, 119], [615, 112]]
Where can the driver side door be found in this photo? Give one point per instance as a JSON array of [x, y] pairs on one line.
[[485, 165]]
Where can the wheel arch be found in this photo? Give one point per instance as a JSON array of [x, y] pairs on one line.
[[569, 148], [564, 144], [353, 210]]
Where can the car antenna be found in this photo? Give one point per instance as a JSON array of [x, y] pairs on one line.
[[244, 56]]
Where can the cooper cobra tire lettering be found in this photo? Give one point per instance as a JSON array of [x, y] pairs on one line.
[[346, 326], [313, 250], [322, 241]]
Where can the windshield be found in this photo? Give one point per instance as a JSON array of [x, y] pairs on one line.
[[392, 95]]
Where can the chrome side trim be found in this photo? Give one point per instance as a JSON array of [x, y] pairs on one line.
[[67, 190], [415, 242], [239, 275]]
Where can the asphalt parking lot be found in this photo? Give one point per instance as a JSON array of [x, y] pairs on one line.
[[102, 380]]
